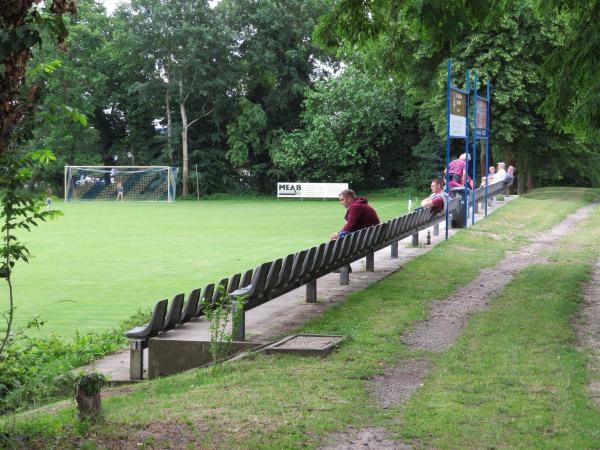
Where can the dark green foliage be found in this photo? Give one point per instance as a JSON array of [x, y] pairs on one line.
[[572, 68], [278, 63], [353, 132], [35, 370], [90, 383]]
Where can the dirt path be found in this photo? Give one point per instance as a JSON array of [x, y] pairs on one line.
[[446, 321], [588, 330]]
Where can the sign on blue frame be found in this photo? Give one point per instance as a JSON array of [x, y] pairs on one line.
[[457, 128]]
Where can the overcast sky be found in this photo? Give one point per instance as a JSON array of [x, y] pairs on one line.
[[111, 4]]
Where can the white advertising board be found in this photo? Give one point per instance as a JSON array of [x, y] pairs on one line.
[[310, 190], [458, 114]]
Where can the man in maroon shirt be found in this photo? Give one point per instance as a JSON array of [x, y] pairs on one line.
[[359, 214], [438, 198]]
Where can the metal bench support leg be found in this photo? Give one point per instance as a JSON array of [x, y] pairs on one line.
[[415, 239], [239, 322], [311, 291], [345, 275], [370, 266], [436, 229], [476, 206], [394, 250], [136, 360]]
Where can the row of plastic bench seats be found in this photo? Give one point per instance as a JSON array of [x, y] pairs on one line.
[[493, 190], [275, 278], [179, 313]]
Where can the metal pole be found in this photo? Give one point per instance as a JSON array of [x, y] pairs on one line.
[[467, 152], [448, 137], [394, 250], [238, 321], [197, 184], [474, 148], [66, 191], [345, 275], [487, 148], [311, 291], [370, 262]]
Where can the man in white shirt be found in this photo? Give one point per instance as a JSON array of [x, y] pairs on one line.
[[500, 173]]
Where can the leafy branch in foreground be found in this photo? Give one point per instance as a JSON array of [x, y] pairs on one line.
[[21, 209]]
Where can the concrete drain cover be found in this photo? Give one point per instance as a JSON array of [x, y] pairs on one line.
[[306, 344]]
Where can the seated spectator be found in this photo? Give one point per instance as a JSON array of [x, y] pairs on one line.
[[500, 173], [438, 200], [359, 214], [510, 175], [490, 176]]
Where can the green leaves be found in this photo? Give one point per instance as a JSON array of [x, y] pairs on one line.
[[349, 124], [42, 156], [18, 39], [46, 68]]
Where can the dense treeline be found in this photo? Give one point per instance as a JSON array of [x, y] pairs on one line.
[[251, 92]]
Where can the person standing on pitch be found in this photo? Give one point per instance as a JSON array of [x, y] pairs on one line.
[[49, 198], [120, 191]]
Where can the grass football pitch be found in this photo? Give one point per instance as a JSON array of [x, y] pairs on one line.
[[102, 261]]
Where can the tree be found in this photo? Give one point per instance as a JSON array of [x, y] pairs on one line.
[[351, 124], [278, 62], [507, 42], [22, 29], [573, 102], [190, 49]]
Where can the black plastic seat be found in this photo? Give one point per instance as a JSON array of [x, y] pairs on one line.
[[207, 296], [219, 293], [255, 289], [234, 283], [190, 306], [246, 279], [153, 327], [174, 314]]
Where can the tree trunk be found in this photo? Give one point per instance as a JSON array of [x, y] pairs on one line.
[[529, 182], [89, 406], [520, 185], [184, 140], [169, 126]]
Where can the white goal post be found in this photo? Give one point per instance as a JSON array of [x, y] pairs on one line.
[[126, 183]]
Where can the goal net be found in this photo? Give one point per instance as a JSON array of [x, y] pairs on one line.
[[154, 183]]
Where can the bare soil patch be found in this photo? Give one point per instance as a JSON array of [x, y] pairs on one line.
[[398, 383], [364, 438], [587, 327]]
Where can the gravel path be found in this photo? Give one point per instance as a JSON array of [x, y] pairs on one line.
[[588, 330]]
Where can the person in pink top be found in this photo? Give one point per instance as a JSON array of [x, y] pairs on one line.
[[457, 171]]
